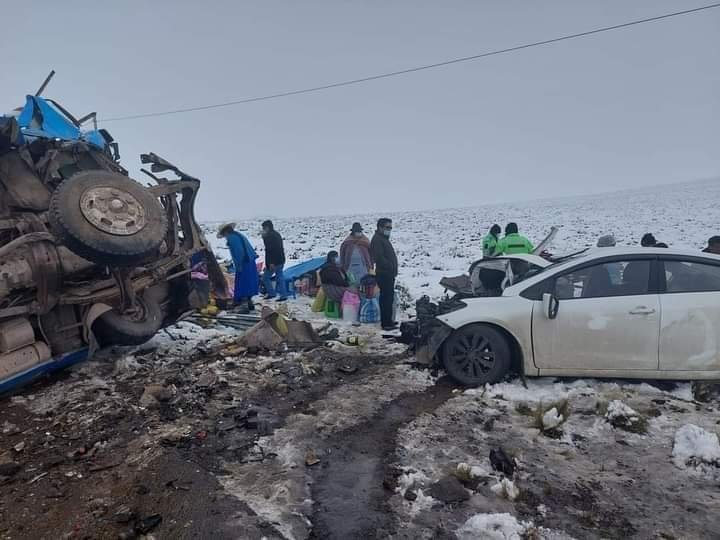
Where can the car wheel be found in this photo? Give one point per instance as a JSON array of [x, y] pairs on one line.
[[107, 218], [476, 355], [132, 328]]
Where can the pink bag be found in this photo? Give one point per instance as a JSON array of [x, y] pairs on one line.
[[350, 307]]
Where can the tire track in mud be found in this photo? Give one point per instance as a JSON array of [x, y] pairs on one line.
[[351, 500]]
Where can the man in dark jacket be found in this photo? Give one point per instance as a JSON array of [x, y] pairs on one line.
[[386, 270], [274, 262]]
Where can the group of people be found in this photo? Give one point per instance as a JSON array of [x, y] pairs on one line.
[[513, 242], [358, 257], [244, 259], [510, 244]]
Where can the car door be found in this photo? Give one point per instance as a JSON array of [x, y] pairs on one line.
[[607, 319], [690, 322]]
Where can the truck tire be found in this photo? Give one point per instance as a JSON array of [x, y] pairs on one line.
[[115, 328], [107, 218], [477, 354]]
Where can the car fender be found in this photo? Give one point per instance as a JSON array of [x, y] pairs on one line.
[[513, 314]]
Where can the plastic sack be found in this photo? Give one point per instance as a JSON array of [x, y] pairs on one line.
[[350, 307], [368, 287], [318, 304], [370, 310]]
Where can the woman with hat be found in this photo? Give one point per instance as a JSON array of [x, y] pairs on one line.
[[355, 255], [243, 256]]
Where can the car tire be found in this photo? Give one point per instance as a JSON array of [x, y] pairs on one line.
[[107, 218], [477, 354], [115, 328]]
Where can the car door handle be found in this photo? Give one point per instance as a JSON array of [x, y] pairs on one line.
[[642, 310]]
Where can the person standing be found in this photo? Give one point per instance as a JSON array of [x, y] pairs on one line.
[[355, 257], [490, 241], [513, 242], [274, 262], [386, 270], [244, 257]]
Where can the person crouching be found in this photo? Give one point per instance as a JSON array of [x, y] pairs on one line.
[[333, 278]]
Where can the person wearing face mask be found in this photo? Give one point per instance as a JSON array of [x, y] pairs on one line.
[[355, 257], [386, 270], [333, 278]]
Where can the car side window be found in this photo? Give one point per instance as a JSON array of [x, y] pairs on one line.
[[617, 278], [691, 276]]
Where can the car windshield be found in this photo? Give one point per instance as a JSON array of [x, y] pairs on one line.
[[556, 261]]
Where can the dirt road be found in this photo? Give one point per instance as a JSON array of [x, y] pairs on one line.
[[177, 440]]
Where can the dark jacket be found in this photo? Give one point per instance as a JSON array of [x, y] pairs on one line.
[[274, 250], [383, 254], [332, 274]]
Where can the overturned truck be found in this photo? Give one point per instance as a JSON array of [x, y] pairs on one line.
[[88, 256]]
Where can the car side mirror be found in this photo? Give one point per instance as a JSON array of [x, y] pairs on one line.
[[550, 305]]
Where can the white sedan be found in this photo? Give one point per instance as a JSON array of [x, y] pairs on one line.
[[649, 313]]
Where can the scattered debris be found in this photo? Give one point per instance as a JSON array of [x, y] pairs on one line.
[[410, 495], [147, 524], [311, 458], [449, 490], [501, 462], [623, 417]]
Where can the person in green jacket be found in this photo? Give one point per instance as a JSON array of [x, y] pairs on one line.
[[513, 242], [490, 241]]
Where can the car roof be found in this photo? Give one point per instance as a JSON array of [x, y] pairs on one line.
[[602, 253], [596, 253]]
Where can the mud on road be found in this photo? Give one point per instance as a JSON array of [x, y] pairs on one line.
[[177, 440]]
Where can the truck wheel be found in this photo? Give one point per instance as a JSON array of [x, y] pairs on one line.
[[107, 218], [476, 354], [115, 328]]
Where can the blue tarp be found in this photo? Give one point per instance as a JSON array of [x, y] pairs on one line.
[[299, 270], [51, 366]]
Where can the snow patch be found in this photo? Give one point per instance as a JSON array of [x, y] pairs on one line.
[[552, 419], [493, 527], [695, 448], [617, 409], [506, 489]]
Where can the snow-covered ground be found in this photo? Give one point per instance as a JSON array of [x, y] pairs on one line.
[[435, 243], [355, 440]]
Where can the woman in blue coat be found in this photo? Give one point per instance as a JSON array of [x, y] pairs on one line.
[[243, 256]]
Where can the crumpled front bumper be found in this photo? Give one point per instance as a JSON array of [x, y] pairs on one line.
[[427, 333]]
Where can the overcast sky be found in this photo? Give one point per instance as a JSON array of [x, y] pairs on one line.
[[628, 108]]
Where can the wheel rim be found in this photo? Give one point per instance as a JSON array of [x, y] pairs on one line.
[[473, 355], [113, 210]]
